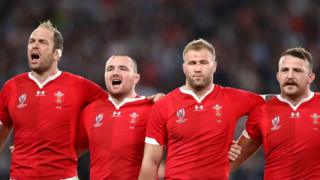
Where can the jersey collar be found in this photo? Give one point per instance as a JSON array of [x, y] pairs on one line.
[[311, 94], [126, 100], [197, 98], [50, 78]]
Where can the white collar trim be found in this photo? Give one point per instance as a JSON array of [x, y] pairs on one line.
[[126, 100], [311, 94], [197, 98], [50, 78]]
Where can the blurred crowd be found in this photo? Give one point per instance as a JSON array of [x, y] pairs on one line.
[[249, 37]]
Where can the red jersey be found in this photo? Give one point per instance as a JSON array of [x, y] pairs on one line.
[[44, 118], [198, 132], [290, 136], [115, 136]]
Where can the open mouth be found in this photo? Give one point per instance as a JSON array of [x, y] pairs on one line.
[[116, 82], [35, 56]]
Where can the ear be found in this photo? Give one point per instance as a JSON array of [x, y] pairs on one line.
[[183, 67], [57, 54], [277, 76], [215, 63], [136, 78], [312, 77]]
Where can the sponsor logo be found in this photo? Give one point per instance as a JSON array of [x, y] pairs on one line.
[[294, 115], [116, 114], [40, 93], [198, 108]]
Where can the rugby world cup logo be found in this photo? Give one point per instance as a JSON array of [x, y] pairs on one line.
[[275, 123], [181, 115], [98, 119], [22, 99]]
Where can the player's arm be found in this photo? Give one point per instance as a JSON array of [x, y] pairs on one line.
[[247, 148], [151, 161], [4, 134]]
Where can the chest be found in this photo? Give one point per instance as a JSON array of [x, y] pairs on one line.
[[187, 119], [293, 127], [30, 106], [116, 127]]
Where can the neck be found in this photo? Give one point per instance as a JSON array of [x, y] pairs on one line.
[[119, 98], [295, 99], [43, 76], [199, 91]]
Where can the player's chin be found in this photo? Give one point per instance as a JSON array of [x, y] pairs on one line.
[[116, 90]]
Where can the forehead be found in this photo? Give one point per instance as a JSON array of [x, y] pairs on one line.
[[291, 61], [43, 33], [119, 61], [200, 54]]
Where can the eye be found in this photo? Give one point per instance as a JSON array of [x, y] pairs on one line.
[[124, 68], [110, 68]]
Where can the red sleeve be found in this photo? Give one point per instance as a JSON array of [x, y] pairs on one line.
[[254, 121], [5, 117], [156, 130], [252, 106], [93, 91], [82, 141]]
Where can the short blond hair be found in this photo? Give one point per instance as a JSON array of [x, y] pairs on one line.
[[198, 45]]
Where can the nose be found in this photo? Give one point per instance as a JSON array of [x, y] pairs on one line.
[[34, 45], [115, 71], [290, 74], [197, 68]]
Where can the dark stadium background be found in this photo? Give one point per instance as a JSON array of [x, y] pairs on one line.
[[248, 36]]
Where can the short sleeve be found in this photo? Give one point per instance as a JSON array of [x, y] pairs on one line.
[[5, 118], [156, 129], [82, 140], [92, 91], [253, 124]]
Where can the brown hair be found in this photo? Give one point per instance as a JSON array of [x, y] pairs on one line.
[[300, 53], [57, 36]]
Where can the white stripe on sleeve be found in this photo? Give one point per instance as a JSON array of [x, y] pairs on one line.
[[151, 141]]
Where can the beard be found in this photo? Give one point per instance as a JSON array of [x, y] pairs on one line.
[[198, 85], [43, 66]]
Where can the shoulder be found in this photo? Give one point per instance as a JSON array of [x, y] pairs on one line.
[[171, 96], [234, 92], [20, 78], [74, 76]]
